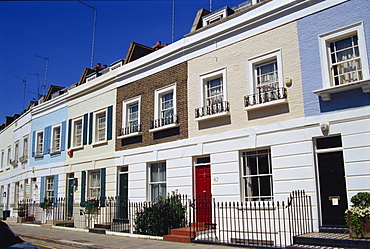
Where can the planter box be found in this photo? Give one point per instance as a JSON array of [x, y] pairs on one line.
[[366, 230]]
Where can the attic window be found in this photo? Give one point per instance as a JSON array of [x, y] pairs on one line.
[[214, 17]]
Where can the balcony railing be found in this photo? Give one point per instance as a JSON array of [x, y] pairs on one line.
[[23, 159], [265, 97], [14, 163], [218, 108], [164, 121], [129, 130]]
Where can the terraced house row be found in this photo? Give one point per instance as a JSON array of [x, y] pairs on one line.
[[254, 102]]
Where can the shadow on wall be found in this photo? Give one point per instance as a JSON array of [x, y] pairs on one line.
[[345, 100], [267, 112], [210, 123]]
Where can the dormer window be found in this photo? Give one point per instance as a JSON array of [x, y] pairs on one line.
[[215, 16]]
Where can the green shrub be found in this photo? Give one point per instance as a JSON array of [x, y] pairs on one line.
[[361, 200], [358, 213], [159, 216]]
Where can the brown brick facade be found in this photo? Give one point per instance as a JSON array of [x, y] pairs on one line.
[[146, 89]]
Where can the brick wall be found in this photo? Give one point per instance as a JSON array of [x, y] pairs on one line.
[[146, 87]]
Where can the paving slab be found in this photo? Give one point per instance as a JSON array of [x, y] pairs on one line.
[[83, 239]]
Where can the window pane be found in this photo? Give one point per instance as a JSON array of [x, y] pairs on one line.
[[267, 76], [101, 123], [329, 142], [345, 60], [157, 180], [257, 175], [167, 105], [214, 91]]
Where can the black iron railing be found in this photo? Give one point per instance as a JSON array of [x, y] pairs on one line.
[[164, 121], [209, 110], [257, 223], [129, 130], [264, 97]]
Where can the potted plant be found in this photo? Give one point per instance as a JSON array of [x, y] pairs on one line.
[[46, 204], [358, 216], [91, 205]]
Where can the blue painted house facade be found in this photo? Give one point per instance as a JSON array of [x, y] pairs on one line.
[[48, 149], [334, 50]]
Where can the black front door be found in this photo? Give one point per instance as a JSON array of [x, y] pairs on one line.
[[71, 184], [332, 188], [123, 196]]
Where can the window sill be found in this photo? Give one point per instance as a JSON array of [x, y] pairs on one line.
[[77, 148], [165, 127], [325, 94], [217, 115], [39, 155], [266, 104], [55, 152], [134, 134], [99, 143], [7, 168]]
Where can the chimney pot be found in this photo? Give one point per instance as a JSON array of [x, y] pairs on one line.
[[166, 44], [104, 66], [158, 43], [98, 64]]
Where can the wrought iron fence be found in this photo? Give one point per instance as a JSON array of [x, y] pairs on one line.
[[258, 223], [114, 214]]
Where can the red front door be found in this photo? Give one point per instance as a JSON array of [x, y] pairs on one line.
[[203, 193]]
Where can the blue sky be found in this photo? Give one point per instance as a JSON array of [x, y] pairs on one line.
[[62, 31]]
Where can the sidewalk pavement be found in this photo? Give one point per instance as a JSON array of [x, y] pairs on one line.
[[82, 238]]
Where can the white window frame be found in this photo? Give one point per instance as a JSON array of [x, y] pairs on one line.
[[74, 140], [126, 104], [39, 143], [14, 162], [49, 187], [97, 129], [214, 17], [150, 196], [53, 142], [157, 105], [324, 40], [9, 155], [252, 77], [25, 147], [2, 161], [203, 79], [245, 176], [16, 150], [92, 187]]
